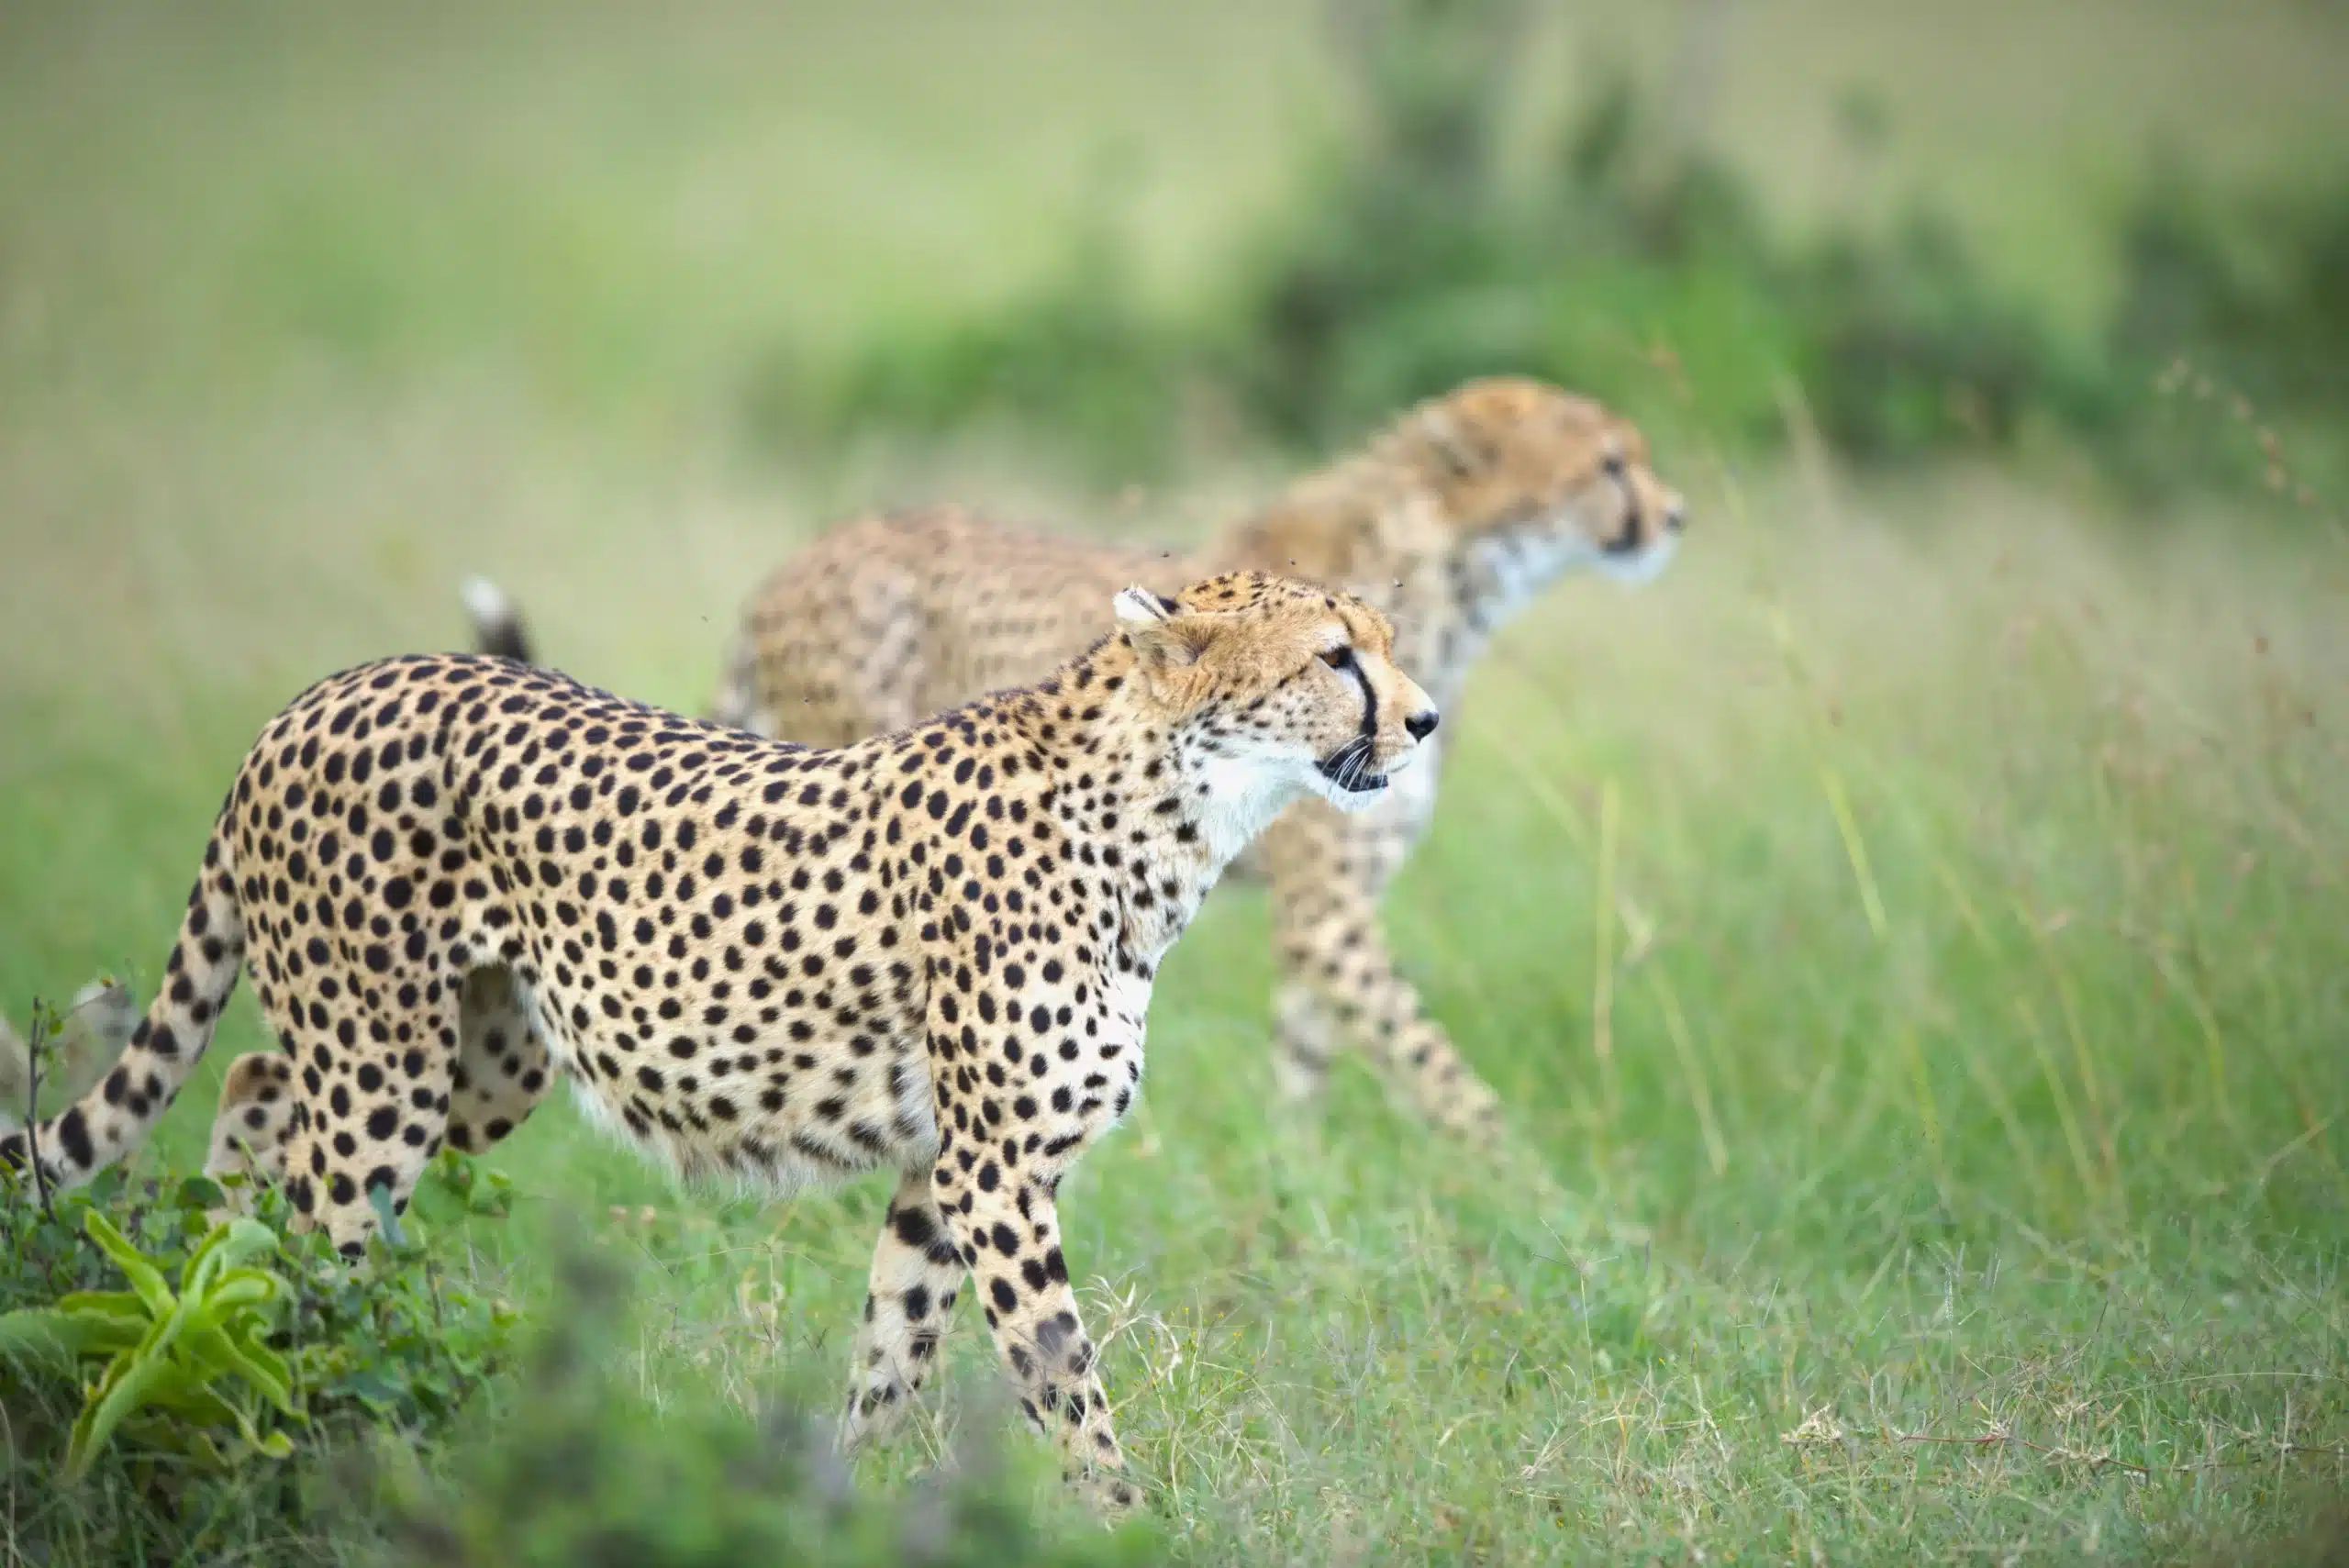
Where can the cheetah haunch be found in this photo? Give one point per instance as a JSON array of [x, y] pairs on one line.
[[452, 877]]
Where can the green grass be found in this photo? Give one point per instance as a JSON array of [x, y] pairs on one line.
[[1939, 1034]]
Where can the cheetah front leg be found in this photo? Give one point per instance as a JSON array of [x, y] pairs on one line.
[[1007, 1225], [1336, 966], [910, 1301], [1306, 1040]]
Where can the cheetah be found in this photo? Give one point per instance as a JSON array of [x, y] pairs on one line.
[[452, 878], [1457, 518]]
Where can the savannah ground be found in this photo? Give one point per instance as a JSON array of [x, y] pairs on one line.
[[1914, 932]]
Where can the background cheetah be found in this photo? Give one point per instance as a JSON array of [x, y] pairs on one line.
[[929, 952], [95, 1027], [1453, 519]]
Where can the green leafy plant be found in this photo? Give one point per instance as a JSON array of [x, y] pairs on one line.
[[396, 1350], [454, 1187], [404, 1340], [172, 1359]]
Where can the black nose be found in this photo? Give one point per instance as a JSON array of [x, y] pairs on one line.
[[1421, 724], [1676, 519]]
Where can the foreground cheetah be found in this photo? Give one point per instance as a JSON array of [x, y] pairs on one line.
[[931, 953], [1453, 520]]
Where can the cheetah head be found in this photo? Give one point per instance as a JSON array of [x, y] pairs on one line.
[[1275, 689], [1532, 482]]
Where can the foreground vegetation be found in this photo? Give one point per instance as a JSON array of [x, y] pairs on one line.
[[1912, 934]]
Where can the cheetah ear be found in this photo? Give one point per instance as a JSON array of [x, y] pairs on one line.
[[1138, 605], [1451, 446], [1160, 635]]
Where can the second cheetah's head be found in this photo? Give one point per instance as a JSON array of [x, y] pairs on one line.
[[1532, 481], [1276, 688]]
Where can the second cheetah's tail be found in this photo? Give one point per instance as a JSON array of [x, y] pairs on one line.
[[736, 704], [117, 1116], [497, 625]]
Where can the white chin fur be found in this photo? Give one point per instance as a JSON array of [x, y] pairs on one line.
[[1522, 569], [1351, 801], [1646, 566], [1348, 800], [1245, 795]]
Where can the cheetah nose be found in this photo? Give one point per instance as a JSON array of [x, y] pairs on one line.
[[1675, 518], [1421, 724]]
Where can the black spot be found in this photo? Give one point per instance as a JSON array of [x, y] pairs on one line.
[[74, 1137], [914, 1227]]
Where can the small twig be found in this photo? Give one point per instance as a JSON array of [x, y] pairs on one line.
[[35, 1048]]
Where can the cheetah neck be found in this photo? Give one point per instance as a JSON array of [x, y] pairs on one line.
[[1158, 815], [1478, 589], [1496, 576]]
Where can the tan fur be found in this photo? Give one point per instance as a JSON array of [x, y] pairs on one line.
[[1448, 521]]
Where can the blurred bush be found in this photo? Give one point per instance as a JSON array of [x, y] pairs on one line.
[[1629, 263], [2238, 305], [584, 1468], [429, 1425]]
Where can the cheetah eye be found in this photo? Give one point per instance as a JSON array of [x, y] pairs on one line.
[[1339, 657], [1611, 465]]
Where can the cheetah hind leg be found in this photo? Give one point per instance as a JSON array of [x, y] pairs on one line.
[[910, 1301], [503, 1068], [502, 1074], [250, 1129]]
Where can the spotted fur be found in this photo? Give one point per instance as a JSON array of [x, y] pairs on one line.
[[452, 879]]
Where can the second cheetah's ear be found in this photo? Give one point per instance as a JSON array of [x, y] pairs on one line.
[[1162, 635], [1454, 446]]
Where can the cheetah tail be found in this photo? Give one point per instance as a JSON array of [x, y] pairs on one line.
[[117, 1116], [737, 703], [497, 625]]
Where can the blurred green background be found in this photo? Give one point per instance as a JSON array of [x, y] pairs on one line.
[[1950, 848]]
